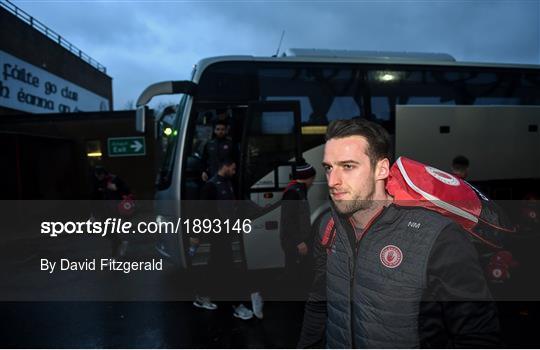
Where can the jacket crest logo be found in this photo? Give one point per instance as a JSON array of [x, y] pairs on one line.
[[391, 256]]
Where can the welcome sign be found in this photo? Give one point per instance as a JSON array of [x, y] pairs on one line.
[[28, 88]]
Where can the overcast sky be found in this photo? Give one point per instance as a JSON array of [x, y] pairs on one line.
[[142, 42]]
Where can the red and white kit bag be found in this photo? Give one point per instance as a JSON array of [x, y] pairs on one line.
[[412, 183]]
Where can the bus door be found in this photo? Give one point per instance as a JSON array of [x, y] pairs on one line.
[[271, 142]]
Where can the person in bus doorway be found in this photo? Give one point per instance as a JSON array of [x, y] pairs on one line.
[[390, 276], [295, 226], [460, 167], [219, 147], [221, 267], [111, 190]]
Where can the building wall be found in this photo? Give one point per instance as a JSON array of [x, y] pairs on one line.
[[19, 39], [28, 139]]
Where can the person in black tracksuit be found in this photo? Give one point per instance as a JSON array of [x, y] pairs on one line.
[[218, 148], [218, 195], [388, 276], [221, 278], [110, 189], [219, 188], [295, 227]]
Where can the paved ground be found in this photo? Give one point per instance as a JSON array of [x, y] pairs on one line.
[[161, 316], [144, 325]]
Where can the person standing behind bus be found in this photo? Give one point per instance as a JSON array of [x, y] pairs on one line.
[[295, 224], [460, 167], [219, 147]]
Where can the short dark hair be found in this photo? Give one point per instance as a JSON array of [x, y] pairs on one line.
[[460, 163], [220, 122], [100, 170], [225, 161], [376, 136]]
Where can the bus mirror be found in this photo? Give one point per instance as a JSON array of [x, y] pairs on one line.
[[157, 89], [166, 88], [140, 116]]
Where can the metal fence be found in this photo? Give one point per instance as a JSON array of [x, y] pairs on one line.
[[51, 34]]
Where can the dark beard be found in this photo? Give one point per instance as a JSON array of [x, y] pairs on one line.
[[352, 206]]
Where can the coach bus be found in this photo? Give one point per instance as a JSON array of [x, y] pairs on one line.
[[434, 107]]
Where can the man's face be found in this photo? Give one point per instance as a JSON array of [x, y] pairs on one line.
[[230, 170], [220, 131], [461, 173], [350, 176]]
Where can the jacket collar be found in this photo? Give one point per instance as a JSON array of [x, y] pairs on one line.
[[343, 223]]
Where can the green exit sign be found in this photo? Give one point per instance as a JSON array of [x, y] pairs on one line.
[[126, 146]]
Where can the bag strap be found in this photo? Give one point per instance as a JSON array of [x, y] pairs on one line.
[[329, 233]]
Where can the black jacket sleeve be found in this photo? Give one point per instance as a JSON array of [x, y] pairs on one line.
[[206, 209], [208, 191], [315, 314], [205, 158], [458, 293], [295, 222]]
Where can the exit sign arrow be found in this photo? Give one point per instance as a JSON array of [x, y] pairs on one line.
[[126, 146], [136, 146]]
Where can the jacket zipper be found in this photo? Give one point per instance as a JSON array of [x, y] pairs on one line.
[[352, 265], [351, 306]]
